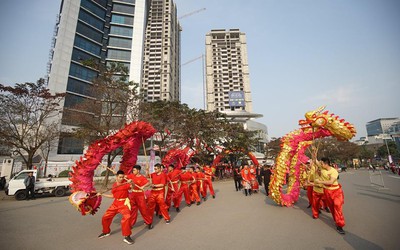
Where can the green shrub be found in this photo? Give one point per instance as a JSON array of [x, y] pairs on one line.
[[64, 173]]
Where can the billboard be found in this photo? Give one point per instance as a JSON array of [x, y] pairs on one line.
[[236, 99]]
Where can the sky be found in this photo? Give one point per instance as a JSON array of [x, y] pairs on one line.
[[302, 54]]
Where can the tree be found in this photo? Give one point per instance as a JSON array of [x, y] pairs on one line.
[[273, 148], [28, 118], [177, 124], [337, 151], [113, 100], [391, 146]]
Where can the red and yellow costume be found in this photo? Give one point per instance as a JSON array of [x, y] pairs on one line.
[[157, 195], [194, 195], [318, 197], [121, 204], [138, 200], [173, 179], [200, 186], [186, 178], [207, 183], [334, 196]]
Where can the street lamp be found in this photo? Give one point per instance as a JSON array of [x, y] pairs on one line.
[[386, 137]]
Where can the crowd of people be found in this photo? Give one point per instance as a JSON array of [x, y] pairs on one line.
[[250, 178], [153, 194]]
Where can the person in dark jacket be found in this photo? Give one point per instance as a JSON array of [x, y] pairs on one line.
[[30, 186], [237, 178], [267, 177]]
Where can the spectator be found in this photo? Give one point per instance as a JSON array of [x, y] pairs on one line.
[[30, 186]]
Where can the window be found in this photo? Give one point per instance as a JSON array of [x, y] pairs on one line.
[[22, 176], [90, 19], [79, 87], [119, 54], [120, 42], [78, 56], [85, 30], [87, 4], [69, 145], [122, 31], [124, 8], [82, 72], [87, 45], [122, 19], [72, 100], [127, 1]]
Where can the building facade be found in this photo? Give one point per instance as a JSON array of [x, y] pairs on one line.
[[107, 31], [228, 83], [227, 71], [161, 67], [381, 129]]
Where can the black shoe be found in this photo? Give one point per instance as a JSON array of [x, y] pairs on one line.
[[309, 205], [327, 210], [167, 222], [213, 196], [340, 230], [102, 235], [128, 240], [150, 226], [189, 205], [204, 198], [198, 203], [178, 210], [319, 211], [160, 216]]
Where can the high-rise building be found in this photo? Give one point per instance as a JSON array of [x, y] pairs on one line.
[[227, 80], [380, 129], [227, 71], [112, 31], [161, 66]]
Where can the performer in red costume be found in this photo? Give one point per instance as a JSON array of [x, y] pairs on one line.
[[137, 197], [186, 179], [308, 183], [121, 204], [200, 179], [173, 178], [159, 181], [194, 195], [333, 193], [246, 180], [208, 181], [254, 183]]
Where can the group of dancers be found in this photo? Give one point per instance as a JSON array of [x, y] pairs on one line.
[[324, 191], [166, 189]]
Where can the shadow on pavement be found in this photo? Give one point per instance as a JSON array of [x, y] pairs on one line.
[[379, 197], [359, 243]]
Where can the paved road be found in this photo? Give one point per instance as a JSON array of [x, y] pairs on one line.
[[231, 221]]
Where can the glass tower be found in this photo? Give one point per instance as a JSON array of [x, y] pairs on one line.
[[104, 31]]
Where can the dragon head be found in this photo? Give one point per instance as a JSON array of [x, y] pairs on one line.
[[317, 120]]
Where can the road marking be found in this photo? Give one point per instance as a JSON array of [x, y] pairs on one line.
[[396, 177]]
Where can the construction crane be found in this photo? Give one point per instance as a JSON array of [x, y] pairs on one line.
[[191, 13], [204, 83], [190, 61]]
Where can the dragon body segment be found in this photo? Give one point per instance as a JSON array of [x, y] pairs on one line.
[[317, 124]]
